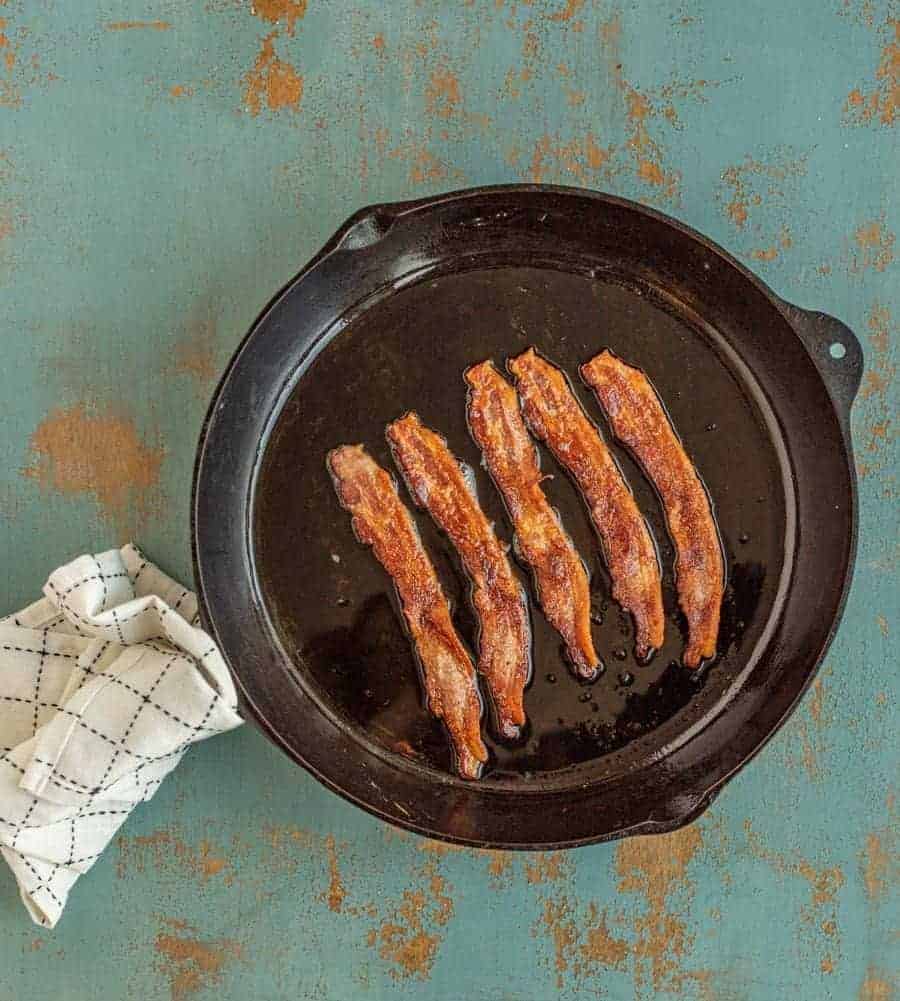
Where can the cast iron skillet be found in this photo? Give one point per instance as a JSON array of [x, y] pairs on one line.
[[385, 319]]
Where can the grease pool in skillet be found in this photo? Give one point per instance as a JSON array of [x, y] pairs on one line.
[[333, 606]]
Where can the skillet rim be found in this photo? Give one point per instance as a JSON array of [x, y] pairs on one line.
[[814, 332]]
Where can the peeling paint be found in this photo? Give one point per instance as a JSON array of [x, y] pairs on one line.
[[656, 867], [195, 354], [424, 165], [272, 82], [570, 9], [409, 935], [193, 964], [276, 11], [875, 247], [880, 859], [601, 946], [499, 868], [878, 102], [138, 25], [824, 885], [18, 71], [78, 451], [750, 190], [877, 986], [547, 868], [442, 95], [167, 852], [876, 393], [336, 890]]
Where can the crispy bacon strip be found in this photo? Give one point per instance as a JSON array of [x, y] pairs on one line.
[[639, 420], [556, 417], [382, 521], [560, 576], [437, 482]]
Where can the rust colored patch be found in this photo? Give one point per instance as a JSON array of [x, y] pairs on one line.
[[877, 986], [752, 184], [409, 935], [272, 82], [768, 254], [575, 158], [180, 90], [880, 102], [601, 947], [568, 12], [444, 903], [336, 891], [275, 11], [547, 868], [195, 353], [876, 392], [656, 867], [737, 210], [169, 853], [649, 171], [424, 166], [812, 737], [433, 847], [558, 921], [191, 964], [138, 25], [596, 155], [582, 946], [77, 451], [646, 153], [824, 884], [499, 867], [442, 94], [574, 98], [880, 859], [378, 43], [17, 72], [875, 247]]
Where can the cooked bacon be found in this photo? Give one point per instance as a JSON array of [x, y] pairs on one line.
[[382, 521], [639, 420], [437, 482], [560, 576], [555, 416]]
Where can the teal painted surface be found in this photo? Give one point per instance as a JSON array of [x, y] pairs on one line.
[[147, 213]]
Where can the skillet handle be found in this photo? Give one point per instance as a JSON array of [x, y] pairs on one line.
[[836, 351]]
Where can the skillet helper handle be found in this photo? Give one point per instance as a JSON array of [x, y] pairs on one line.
[[836, 351]]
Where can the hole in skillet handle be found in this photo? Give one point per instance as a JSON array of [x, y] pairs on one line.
[[367, 227], [836, 352]]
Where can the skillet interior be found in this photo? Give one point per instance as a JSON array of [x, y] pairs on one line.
[[333, 606]]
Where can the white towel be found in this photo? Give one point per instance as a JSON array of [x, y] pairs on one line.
[[104, 683]]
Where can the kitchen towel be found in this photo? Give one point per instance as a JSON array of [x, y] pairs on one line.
[[104, 684]]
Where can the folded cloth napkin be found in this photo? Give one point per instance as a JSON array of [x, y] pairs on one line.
[[104, 683]]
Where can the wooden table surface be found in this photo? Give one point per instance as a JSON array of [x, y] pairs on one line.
[[165, 166]]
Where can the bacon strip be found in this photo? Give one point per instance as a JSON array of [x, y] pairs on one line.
[[639, 420], [382, 521], [555, 416], [559, 573], [437, 482]]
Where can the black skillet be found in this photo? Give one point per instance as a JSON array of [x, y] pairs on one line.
[[385, 319]]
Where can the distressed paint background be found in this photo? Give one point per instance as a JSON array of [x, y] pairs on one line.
[[165, 165]]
